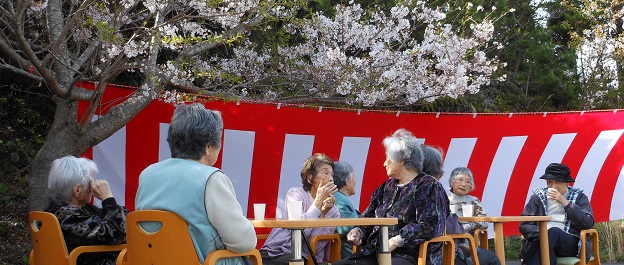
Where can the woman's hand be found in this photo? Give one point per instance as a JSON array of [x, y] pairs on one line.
[[323, 192], [328, 203], [101, 189], [354, 237], [393, 244]]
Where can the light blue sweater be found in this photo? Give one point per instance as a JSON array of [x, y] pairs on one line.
[[179, 185]]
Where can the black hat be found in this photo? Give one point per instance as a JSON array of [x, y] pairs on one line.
[[558, 172]]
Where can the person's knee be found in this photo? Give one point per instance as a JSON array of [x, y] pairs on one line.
[[554, 231]]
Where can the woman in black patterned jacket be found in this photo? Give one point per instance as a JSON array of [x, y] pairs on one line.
[[71, 186], [415, 198]]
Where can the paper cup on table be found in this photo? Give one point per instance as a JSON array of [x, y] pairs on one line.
[[294, 209], [467, 210], [259, 209]]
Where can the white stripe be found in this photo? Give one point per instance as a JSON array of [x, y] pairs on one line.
[[497, 181], [236, 162], [297, 148], [110, 157], [617, 211], [593, 162], [163, 146], [458, 155], [556, 148], [355, 151], [499, 174]]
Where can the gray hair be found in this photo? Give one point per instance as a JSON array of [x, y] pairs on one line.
[[342, 171], [402, 146], [193, 128], [432, 161], [67, 172], [462, 170]]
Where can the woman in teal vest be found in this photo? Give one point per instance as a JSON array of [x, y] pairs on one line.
[[345, 180], [188, 185]]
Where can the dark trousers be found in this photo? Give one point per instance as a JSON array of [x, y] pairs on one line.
[[560, 244], [487, 257], [370, 260], [277, 260]]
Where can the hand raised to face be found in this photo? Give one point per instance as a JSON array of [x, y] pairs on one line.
[[101, 189], [326, 190]]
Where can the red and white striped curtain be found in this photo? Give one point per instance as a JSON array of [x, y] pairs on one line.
[[264, 147]]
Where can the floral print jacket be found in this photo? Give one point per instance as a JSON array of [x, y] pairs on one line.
[[421, 207], [90, 225]]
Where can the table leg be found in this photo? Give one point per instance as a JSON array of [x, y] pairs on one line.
[[544, 247], [295, 247], [499, 242], [384, 255]]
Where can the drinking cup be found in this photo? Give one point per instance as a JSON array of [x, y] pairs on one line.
[[467, 210], [294, 210], [259, 209]]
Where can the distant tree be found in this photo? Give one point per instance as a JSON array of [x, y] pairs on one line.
[[345, 54], [600, 47], [538, 53]]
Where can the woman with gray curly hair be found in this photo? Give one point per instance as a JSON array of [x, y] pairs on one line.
[[415, 198]]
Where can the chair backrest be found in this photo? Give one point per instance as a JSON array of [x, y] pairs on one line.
[[170, 244], [47, 239]]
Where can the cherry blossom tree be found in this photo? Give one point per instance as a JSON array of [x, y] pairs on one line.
[[600, 52], [363, 56]]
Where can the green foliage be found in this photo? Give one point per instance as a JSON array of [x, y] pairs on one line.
[[26, 112], [512, 247]]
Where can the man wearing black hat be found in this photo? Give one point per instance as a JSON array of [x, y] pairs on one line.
[[569, 210]]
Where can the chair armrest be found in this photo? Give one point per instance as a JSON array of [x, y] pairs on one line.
[[593, 234], [481, 237], [253, 255], [122, 259], [448, 255], [335, 246], [73, 255], [471, 243]]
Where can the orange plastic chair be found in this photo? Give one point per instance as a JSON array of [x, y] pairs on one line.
[[49, 245], [448, 254], [335, 245], [171, 244]]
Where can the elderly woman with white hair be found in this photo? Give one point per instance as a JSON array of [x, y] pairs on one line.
[[462, 183], [71, 185], [415, 198]]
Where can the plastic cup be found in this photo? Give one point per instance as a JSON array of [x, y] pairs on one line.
[[259, 209], [294, 210], [550, 190], [453, 208], [467, 210]]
